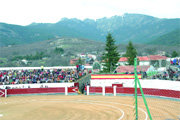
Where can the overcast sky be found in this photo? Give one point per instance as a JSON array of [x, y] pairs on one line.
[[24, 12]]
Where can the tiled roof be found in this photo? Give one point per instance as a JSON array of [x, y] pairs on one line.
[[145, 58], [157, 57], [73, 61], [123, 59], [122, 69]]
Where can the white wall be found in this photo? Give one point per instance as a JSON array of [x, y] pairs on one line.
[[38, 85], [146, 63], [122, 63], [159, 84]]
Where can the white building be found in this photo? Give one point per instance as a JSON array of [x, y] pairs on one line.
[[154, 60]]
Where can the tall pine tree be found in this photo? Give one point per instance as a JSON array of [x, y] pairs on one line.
[[111, 56], [174, 54], [131, 53]]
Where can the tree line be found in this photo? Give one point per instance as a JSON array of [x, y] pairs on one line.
[[37, 56], [111, 55]]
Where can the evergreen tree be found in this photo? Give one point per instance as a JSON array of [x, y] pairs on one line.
[[131, 53], [111, 56], [174, 54], [59, 50], [96, 65], [79, 61]]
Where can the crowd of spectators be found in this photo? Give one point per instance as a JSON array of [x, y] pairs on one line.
[[170, 74], [41, 76], [175, 61]]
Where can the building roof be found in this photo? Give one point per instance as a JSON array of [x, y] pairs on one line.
[[123, 59], [123, 69], [73, 61], [157, 57], [145, 58]]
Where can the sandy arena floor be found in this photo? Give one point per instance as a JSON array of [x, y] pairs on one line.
[[59, 107]]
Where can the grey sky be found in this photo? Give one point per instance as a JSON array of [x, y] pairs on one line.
[[24, 12]]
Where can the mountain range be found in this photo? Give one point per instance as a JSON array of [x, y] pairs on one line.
[[137, 28]]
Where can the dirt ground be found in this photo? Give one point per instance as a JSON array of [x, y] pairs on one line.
[[81, 107]]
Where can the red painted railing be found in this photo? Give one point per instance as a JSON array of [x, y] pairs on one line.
[[147, 91], [2, 92], [95, 89], [119, 90], [35, 91]]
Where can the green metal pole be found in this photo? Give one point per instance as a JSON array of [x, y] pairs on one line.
[[149, 114], [136, 100]]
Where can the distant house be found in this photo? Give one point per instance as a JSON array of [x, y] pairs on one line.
[[89, 61], [123, 61], [144, 60], [24, 61], [154, 60], [161, 53], [83, 56], [130, 69], [73, 61], [92, 56]]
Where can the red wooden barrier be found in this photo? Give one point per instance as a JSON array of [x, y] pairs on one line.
[[151, 91], [76, 84], [147, 91], [118, 85], [109, 89], [162, 92], [2, 92], [127, 90], [35, 90], [72, 89], [95, 89]]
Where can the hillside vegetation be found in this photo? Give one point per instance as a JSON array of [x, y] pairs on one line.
[[59, 51], [170, 39], [129, 27], [54, 52]]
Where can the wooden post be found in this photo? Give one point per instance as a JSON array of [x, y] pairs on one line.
[[114, 90], [66, 90], [5, 93], [88, 90], [103, 91]]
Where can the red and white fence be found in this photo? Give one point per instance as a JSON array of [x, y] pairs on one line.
[[91, 90], [31, 91], [130, 91]]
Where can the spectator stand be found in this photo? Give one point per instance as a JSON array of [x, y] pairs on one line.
[[34, 76]]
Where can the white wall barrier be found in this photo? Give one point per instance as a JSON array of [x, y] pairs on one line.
[[104, 90], [145, 83]]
